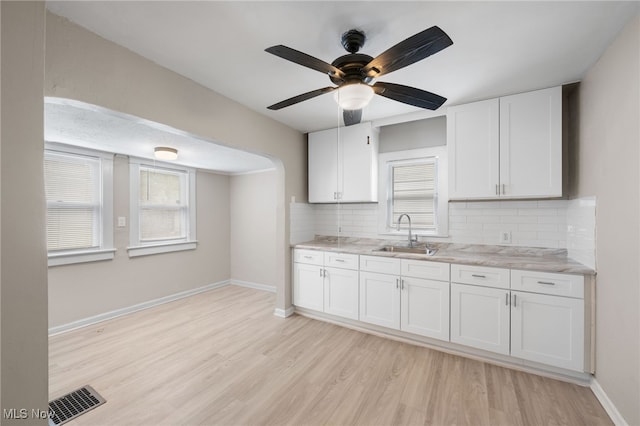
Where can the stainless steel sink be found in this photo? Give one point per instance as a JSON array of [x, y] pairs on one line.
[[414, 250]]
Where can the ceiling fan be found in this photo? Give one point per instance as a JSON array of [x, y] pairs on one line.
[[353, 73]]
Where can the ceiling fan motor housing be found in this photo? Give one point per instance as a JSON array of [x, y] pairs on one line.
[[353, 40]]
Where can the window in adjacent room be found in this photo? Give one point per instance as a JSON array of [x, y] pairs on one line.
[[162, 208], [414, 182], [78, 189]]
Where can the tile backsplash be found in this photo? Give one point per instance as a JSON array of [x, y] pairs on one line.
[[563, 224]]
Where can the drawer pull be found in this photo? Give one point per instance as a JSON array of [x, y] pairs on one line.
[[340, 260], [308, 257], [478, 276], [546, 283]]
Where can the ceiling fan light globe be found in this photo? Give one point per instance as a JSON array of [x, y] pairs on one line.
[[354, 96]]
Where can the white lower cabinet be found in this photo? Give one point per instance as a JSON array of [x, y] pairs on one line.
[[480, 317], [308, 286], [380, 299], [548, 329], [407, 303], [341, 292], [424, 307], [326, 289]]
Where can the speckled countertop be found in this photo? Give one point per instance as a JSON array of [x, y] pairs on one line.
[[536, 259]]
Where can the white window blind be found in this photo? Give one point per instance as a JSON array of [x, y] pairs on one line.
[[74, 201], [163, 205], [414, 192]]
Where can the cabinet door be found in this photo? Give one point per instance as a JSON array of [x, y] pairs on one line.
[[480, 317], [531, 144], [425, 307], [548, 329], [358, 165], [473, 145], [341, 292], [380, 299], [323, 166], [308, 289]]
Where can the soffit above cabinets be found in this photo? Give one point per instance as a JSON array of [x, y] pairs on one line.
[[87, 126]]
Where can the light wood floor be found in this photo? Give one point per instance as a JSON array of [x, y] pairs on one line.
[[223, 358]]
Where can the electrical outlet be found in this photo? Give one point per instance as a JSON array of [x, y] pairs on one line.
[[122, 221], [505, 237]]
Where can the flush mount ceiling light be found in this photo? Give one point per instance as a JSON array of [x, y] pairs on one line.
[[354, 96], [165, 153]]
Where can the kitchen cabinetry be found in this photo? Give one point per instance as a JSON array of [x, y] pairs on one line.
[[407, 295], [536, 316], [343, 164], [326, 282], [509, 147]]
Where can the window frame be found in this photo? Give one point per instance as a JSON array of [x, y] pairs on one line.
[[105, 250], [138, 247], [386, 160]]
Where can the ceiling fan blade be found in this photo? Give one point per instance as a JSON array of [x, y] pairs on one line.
[[409, 95], [351, 116], [305, 60], [407, 52], [300, 98]]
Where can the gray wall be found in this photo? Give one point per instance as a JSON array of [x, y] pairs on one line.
[[253, 230], [23, 277], [607, 158], [413, 134], [80, 291], [83, 66]]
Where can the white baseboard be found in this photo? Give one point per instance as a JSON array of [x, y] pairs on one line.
[[284, 313], [608, 406], [130, 309], [256, 286]]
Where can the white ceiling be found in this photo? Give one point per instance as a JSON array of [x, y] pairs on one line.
[[87, 126], [499, 47]]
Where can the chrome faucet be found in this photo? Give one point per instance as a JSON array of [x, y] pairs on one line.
[[411, 239]]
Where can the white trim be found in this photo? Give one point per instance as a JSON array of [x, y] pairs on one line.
[[257, 286], [161, 248], [606, 403], [128, 310], [68, 258], [284, 313], [251, 172]]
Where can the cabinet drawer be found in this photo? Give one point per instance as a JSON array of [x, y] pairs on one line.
[[341, 260], [548, 283], [425, 269], [312, 257], [383, 265], [480, 275]]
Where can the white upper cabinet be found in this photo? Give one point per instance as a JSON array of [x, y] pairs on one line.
[[509, 147], [343, 165], [473, 144]]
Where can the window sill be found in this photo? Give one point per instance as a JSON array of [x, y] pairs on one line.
[[69, 258], [161, 248]]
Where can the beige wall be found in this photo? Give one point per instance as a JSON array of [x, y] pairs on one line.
[[253, 220], [608, 164], [80, 65], [80, 291], [23, 277]]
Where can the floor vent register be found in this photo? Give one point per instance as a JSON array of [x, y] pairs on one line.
[[73, 404]]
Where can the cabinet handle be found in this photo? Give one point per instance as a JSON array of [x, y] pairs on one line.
[[497, 190], [514, 301], [401, 284], [397, 282], [478, 276], [308, 257], [340, 260], [504, 191], [506, 299], [546, 283], [368, 140], [335, 195], [321, 272]]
